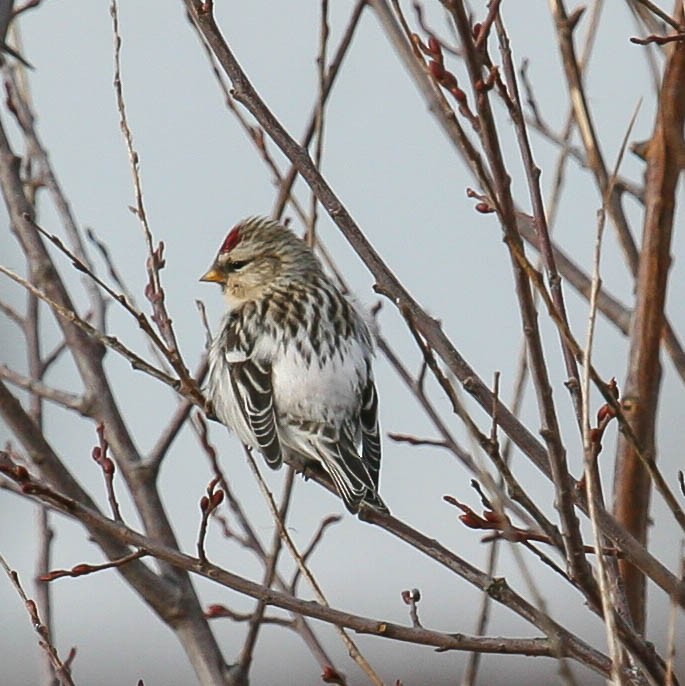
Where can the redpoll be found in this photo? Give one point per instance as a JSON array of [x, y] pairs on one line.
[[290, 368]]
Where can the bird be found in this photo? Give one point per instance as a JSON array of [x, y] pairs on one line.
[[290, 367]]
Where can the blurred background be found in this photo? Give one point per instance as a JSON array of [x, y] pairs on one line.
[[406, 187]]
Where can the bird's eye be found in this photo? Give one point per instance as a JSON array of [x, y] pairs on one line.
[[237, 265]]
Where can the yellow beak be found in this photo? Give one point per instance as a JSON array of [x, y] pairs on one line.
[[213, 275]]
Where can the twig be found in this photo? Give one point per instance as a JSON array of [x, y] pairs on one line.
[[221, 611], [659, 40], [109, 341], [11, 314], [84, 569], [43, 594], [155, 260], [591, 474], [99, 454], [658, 12], [333, 69], [414, 440], [40, 389], [412, 599], [671, 651], [208, 504], [28, 5], [109, 263], [316, 539], [61, 669], [175, 424], [607, 573], [256, 620], [321, 60], [533, 173], [57, 351]]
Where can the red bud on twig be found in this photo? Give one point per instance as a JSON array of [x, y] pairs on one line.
[[484, 208]]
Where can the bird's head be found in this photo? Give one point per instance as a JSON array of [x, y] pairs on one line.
[[257, 254]]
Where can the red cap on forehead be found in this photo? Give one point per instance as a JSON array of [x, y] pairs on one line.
[[231, 240]]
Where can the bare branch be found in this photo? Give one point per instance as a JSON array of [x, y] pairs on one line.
[[63, 398], [83, 568], [61, 669]]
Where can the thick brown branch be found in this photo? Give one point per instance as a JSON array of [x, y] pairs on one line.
[[665, 154]]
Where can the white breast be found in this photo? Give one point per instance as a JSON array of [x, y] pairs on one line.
[[328, 391]]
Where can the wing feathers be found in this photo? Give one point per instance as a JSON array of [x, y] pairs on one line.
[[251, 382], [371, 440]]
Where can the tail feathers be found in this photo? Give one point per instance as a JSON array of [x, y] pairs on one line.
[[373, 499], [335, 451]]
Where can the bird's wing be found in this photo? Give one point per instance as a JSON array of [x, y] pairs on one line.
[[251, 382], [371, 439], [252, 389]]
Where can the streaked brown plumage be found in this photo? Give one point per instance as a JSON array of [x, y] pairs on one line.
[[290, 368]]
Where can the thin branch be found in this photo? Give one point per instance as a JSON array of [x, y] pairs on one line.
[[67, 400], [176, 423], [321, 60], [672, 628], [155, 260], [109, 341], [333, 69], [43, 595], [412, 599], [208, 505], [84, 569], [218, 611], [108, 467], [326, 522], [21, 107], [11, 314], [57, 351], [592, 473], [533, 173], [257, 618], [61, 669], [414, 440], [658, 12]]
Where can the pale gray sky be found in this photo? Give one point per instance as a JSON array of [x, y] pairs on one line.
[[405, 186]]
